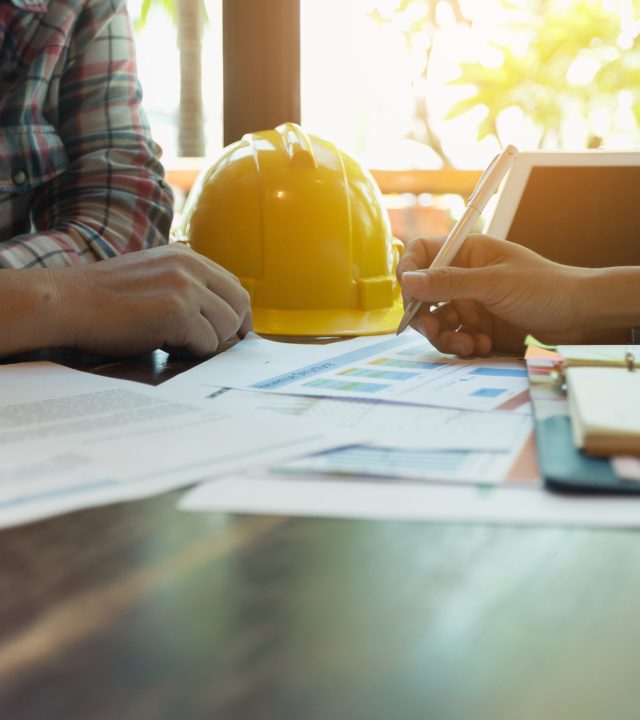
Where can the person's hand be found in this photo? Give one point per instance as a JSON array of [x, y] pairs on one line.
[[167, 297], [496, 293]]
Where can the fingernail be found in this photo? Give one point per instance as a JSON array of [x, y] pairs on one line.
[[412, 277]]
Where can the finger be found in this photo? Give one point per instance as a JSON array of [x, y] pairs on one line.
[[482, 341], [472, 314], [464, 342], [448, 314], [469, 324], [482, 250], [445, 329], [221, 316], [205, 340], [453, 283], [427, 325], [218, 279], [225, 285], [418, 255], [234, 315], [476, 319], [246, 326], [432, 324], [198, 338]]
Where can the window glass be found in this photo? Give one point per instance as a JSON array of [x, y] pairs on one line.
[[429, 84], [159, 69]]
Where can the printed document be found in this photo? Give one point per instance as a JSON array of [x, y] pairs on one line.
[[401, 369], [309, 496], [71, 439], [403, 427]]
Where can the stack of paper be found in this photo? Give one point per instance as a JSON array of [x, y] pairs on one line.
[[442, 478], [433, 422], [430, 417], [605, 409], [370, 427]]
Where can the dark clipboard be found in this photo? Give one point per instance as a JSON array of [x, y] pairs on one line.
[[562, 465], [565, 467]]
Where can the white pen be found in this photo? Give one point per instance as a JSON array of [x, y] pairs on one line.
[[486, 187]]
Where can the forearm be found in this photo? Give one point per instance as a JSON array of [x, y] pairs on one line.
[[31, 311], [610, 300]]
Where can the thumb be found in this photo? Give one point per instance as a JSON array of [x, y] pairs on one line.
[[451, 283]]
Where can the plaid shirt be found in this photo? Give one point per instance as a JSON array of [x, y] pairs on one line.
[[80, 178]]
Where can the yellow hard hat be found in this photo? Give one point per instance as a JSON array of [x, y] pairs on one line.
[[303, 227]]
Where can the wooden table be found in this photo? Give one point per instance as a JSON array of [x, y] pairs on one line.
[[137, 610]]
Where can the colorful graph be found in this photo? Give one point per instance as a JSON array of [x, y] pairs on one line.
[[411, 364], [488, 392], [342, 386], [385, 462], [379, 374], [500, 372]]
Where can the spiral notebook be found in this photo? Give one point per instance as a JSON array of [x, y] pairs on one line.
[[577, 433]]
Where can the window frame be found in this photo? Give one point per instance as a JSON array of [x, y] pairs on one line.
[[261, 65]]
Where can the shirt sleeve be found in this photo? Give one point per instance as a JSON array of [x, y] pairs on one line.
[[112, 197]]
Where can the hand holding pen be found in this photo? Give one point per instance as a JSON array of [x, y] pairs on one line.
[[484, 190]]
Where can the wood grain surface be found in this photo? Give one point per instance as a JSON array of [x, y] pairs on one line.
[[137, 610]]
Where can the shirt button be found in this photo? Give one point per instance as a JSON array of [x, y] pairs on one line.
[[20, 177]]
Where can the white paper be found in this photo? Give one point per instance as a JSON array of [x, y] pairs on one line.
[[457, 466], [402, 369], [626, 467], [605, 400], [388, 425], [510, 505], [70, 439]]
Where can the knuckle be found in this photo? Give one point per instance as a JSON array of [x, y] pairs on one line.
[[239, 300], [224, 332], [245, 302], [443, 280], [210, 345], [178, 279], [174, 309]]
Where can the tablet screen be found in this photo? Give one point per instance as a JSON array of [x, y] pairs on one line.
[[582, 215]]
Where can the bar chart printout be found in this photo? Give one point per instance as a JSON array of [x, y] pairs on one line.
[[406, 370]]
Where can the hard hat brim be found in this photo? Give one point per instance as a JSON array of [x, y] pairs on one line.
[[327, 323]]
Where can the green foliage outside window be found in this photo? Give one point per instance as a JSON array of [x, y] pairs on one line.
[[555, 62], [537, 77]]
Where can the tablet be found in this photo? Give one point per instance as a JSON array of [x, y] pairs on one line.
[[577, 208]]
